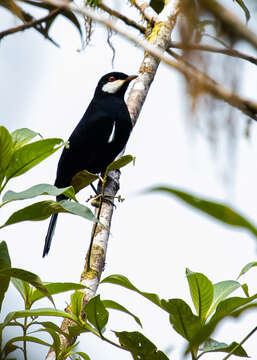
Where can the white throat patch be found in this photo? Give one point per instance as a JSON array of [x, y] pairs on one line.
[[113, 86]]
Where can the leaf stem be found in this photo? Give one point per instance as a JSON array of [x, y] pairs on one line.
[[241, 343]]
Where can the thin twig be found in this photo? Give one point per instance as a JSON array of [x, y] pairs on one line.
[[218, 50], [30, 24], [241, 343]]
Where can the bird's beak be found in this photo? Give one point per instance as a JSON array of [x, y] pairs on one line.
[[132, 77]]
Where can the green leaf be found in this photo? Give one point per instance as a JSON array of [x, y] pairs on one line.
[[26, 338], [55, 288], [202, 292], [123, 281], [30, 155], [219, 211], [245, 289], [82, 179], [37, 190], [22, 136], [96, 313], [247, 267], [244, 8], [43, 209], [19, 285], [51, 325], [5, 262], [76, 304], [181, 318], [211, 345], [157, 5], [37, 312], [27, 276], [121, 162], [6, 150], [221, 291], [110, 304], [54, 336], [139, 346]]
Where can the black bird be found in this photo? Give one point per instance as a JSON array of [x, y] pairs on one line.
[[98, 138]]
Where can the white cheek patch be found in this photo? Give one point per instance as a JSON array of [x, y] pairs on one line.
[[111, 137], [112, 86]]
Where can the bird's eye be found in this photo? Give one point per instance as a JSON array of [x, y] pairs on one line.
[[111, 79]]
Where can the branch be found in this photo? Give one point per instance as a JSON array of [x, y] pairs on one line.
[[231, 21], [30, 24], [224, 51], [122, 17], [147, 11]]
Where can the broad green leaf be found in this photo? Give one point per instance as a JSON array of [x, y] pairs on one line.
[[37, 312], [225, 308], [241, 3], [221, 291], [43, 209], [55, 288], [181, 318], [6, 149], [96, 313], [30, 155], [76, 304], [123, 281], [217, 210], [37, 190], [75, 331], [247, 267], [82, 354], [110, 304], [82, 179], [5, 262], [211, 345], [121, 162], [202, 292], [22, 136], [19, 285], [27, 276], [139, 346]]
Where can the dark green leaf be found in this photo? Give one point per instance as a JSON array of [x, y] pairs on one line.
[[96, 313], [247, 267], [244, 8], [139, 346], [26, 338], [182, 319], [219, 211], [5, 262], [82, 179], [202, 291], [76, 304], [110, 304], [221, 291], [22, 136], [211, 345], [27, 276], [157, 5], [6, 149], [55, 288], [75, 331], [43, 209], [37, 190], [30, 155], [54, 336], [123, 281], [121, 162]]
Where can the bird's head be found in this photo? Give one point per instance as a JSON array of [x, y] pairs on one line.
[[115, 83]]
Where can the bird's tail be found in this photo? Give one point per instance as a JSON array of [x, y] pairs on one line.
[[50, 234]]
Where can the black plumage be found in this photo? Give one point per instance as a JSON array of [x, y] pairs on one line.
[[98, 138]]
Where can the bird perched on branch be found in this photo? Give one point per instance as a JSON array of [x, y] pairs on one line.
[[99, 137]]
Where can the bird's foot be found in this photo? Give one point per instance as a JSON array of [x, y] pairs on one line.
[[96, 199]]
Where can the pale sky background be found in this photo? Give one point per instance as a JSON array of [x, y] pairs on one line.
[[154, 237]]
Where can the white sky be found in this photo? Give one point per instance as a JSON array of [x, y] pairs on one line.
[[154, 237]]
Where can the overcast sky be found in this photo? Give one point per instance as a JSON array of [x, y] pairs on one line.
[[154, 237]]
